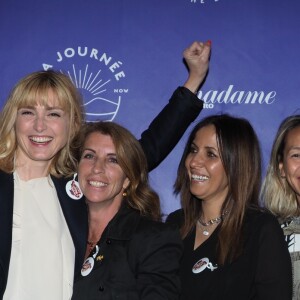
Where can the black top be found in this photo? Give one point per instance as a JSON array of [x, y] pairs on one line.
[[136, 258], [263, 271]]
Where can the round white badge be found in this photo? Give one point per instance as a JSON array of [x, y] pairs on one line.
[[200, 265], [88, 266], [73, 189]]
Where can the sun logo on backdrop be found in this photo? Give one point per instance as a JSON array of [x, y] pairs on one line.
[[99, 78], [93, 89]]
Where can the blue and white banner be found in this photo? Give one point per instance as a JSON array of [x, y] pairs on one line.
[[126, 59]]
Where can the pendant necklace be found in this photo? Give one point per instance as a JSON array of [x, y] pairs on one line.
[[211, 222], [204, 230]]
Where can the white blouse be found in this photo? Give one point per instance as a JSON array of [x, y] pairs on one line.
[[43, 254]]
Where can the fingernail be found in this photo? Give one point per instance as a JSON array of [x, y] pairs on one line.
[[209, 42]]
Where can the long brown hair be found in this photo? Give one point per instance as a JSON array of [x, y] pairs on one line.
[[240, 155], [133, 162]]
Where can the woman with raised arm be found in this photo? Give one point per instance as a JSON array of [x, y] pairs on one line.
[[130, 254]]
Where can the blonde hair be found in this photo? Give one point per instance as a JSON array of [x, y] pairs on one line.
[[34, 89], [277, 194]]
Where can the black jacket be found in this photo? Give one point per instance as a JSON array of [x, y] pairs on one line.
[[169, 125], [74, 211], [137, 259]]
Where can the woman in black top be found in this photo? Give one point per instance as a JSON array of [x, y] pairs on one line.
[[233, 249], [130, 254]]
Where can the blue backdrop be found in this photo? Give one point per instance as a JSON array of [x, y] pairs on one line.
[[126, 58]]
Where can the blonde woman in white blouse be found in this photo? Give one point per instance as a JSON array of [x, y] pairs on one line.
[[40, 226]]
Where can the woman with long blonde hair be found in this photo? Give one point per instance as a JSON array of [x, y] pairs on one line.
[[281, 189]]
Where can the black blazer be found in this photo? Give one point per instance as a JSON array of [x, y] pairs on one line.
[[74, 211], [157, 141]]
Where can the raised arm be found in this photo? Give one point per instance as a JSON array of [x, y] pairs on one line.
[[184, 106], [197, 58]]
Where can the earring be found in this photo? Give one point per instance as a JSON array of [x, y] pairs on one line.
[[282, 174], [124, 194], [73, 189]]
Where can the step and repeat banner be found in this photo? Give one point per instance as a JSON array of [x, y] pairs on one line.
[[125, 56]]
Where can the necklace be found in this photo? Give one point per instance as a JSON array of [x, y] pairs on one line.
[[205, 231], [211, 222], [216, 220], [91, 245]]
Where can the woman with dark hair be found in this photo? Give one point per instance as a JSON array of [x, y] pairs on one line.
[[130, 254], [281, 189], [233, 249]]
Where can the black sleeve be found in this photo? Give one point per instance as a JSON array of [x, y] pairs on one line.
[[274, 271], [169, 125], [157, 273], [176, 218]]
